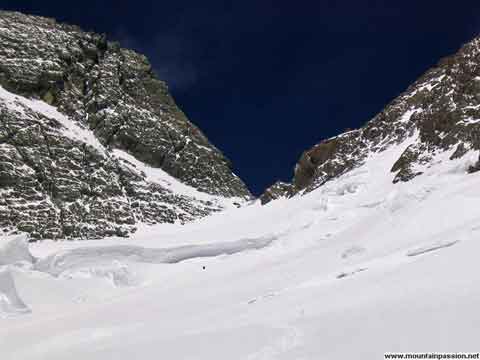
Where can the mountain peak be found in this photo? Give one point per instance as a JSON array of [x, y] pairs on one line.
[[440, 112], [92, 141]]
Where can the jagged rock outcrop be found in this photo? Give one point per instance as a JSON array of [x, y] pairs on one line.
[[475, 167], [278, 190], [439, 112], [91, 142]]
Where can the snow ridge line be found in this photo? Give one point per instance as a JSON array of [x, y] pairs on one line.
[[58, 263]]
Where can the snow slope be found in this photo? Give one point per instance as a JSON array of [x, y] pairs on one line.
[[159, 176], [14, 249], [356, 268], [70, 129], [10, 301]]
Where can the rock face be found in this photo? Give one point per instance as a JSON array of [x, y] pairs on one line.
[[91, 142], [276, 191], [440, 112]]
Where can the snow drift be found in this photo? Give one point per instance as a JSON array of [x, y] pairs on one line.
[[115, 262], [10, 301], [14, 249], [358, 266]]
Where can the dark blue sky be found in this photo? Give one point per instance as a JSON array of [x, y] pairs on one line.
[[265, 79]]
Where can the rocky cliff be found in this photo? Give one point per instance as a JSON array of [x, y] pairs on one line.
[[91, 142], [439, 113]]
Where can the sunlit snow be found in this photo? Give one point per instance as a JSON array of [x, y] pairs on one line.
[[356, 268]]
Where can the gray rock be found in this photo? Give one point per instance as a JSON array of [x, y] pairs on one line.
[[278, 190], [442, 108], [55, 185]]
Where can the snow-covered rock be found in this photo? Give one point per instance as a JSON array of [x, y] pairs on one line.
[[92, 143], [440, 112]]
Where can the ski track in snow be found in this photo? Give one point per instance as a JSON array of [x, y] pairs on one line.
[[432, 247]]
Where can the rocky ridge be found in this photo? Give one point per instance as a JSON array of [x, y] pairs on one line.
[[439, 113], [92, 143]]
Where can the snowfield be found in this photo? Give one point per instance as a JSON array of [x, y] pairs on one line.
[[354, 269]]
